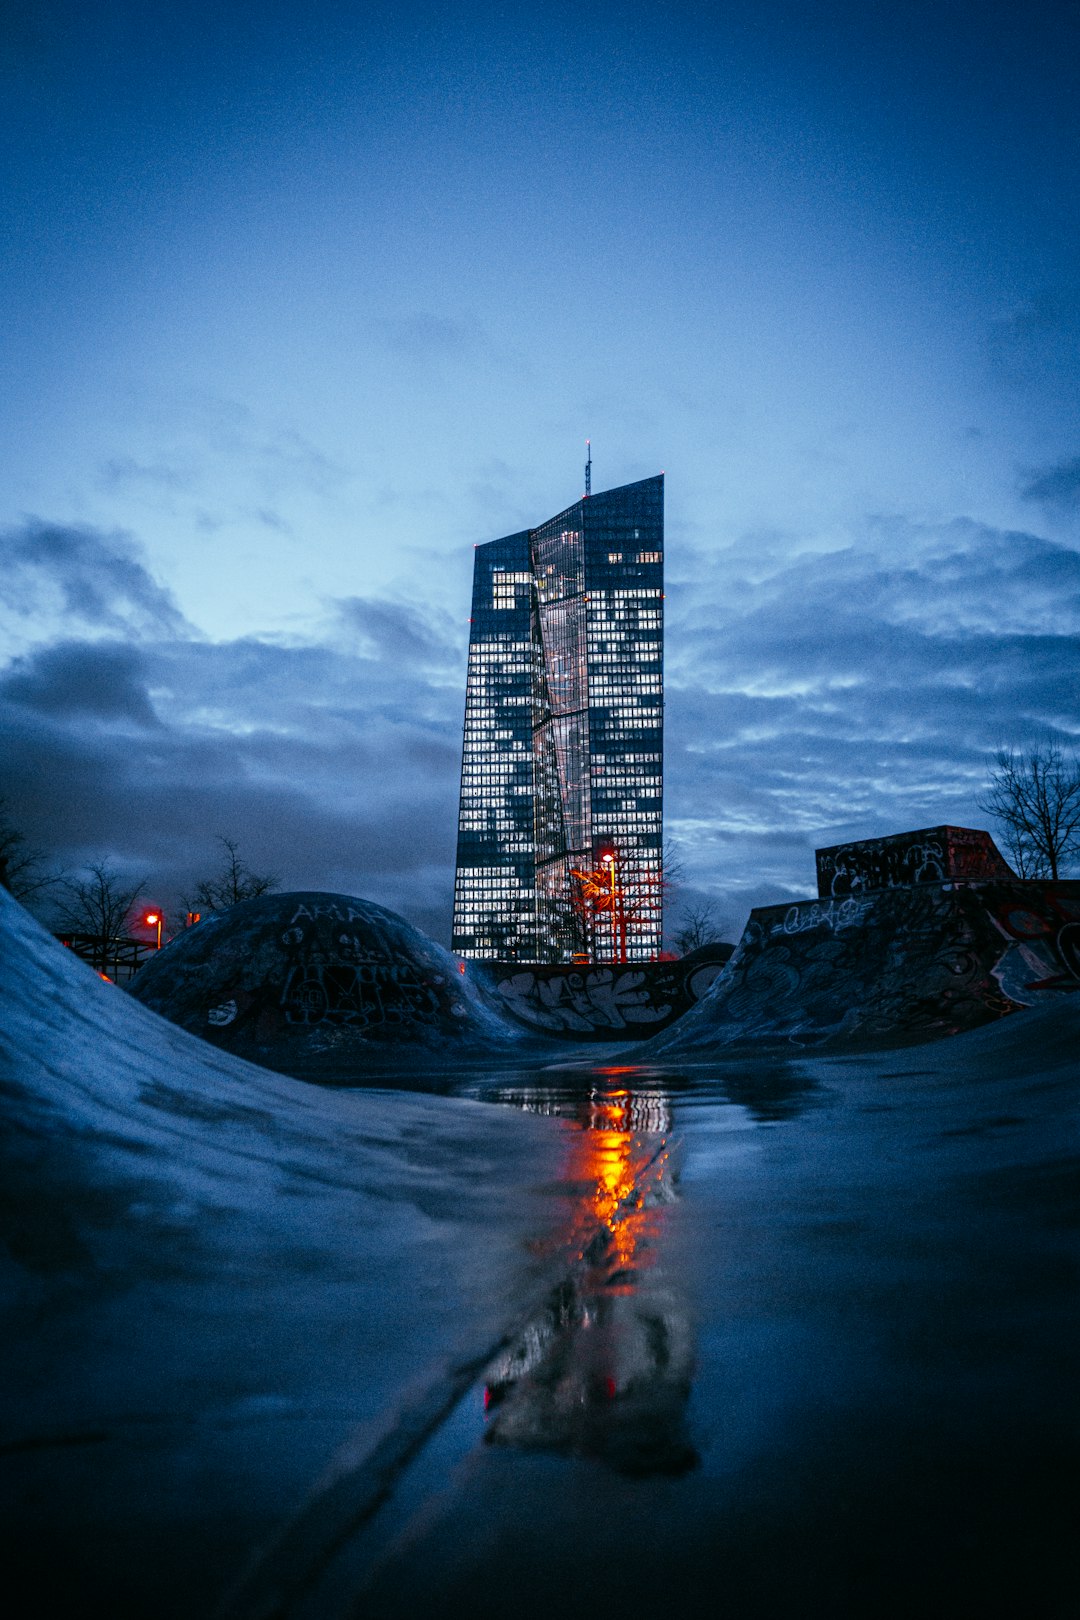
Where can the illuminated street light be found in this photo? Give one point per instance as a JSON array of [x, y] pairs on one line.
[[150, 919]]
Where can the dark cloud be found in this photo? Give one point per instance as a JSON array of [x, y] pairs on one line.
[[99, 679], [91, 577], [856, 691], [274, 520], [227, 439], [335, 768], [811, 697], [1038, 343], [1055, 486], [1052, 310], [396, 631]]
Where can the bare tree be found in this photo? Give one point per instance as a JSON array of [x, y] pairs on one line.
[[700, 925], [99, 905], [1035, 795], [674, 865], [234, 881], [24, 869]]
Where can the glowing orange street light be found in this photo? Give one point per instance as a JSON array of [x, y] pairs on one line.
[[150, 919]]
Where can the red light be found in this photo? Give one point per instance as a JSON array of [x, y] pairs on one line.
[[151, 917]]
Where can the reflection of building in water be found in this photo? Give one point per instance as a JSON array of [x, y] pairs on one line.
[[642, 1112], [604, 1370]]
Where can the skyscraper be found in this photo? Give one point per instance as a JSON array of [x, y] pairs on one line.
[[560, 828]]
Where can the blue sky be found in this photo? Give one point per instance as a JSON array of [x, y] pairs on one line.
[[302, 302]]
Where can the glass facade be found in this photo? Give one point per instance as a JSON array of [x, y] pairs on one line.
[[560, 830]]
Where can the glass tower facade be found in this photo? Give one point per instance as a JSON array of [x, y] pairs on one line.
[[560, 829]]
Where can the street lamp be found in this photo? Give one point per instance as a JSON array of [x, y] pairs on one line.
[[608, 860], [150, 919]]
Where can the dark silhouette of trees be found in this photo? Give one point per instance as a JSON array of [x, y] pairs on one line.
[[1035, 794], [24, 869], [699, 925], [695, 923], [232, 882], [99, 905]]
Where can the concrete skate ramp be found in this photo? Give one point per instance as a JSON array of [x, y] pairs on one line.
[[602, 1001], [892, 968], [324, 985], [211, 1277]]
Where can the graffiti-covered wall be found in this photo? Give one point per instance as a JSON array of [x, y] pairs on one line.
[[931, 856], [902, 965], [616, 1001]]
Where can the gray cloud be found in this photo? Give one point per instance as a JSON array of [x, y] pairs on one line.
[[1037, 345], [811, 697], [119, 471], [336, 767], [399, 632], [1056, 486], [93, 578], [856, 691], [99, 679]]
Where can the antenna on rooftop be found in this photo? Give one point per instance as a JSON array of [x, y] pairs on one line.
[[588, 467]]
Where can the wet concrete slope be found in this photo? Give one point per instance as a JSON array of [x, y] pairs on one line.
[[902, 965], [850, 1364], [214, 1278]]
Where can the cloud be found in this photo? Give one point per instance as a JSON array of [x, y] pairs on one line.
[[120, 471], [857, 689], [105, 681], [335, 765], [85, 575], [815, 691], [1052, 310], [395, 631], [424, 336], [1056, 486], [1038, 343]]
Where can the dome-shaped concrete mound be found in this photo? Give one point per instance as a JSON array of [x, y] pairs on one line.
[[321, 985]]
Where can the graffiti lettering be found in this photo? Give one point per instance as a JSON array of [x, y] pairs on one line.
[[800, 918]]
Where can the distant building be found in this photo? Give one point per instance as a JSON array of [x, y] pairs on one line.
[[560, 829]]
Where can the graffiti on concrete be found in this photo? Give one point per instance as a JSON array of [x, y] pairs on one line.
[[842, 914], [366, 995], [583, 999], [932, 855], [925, 961], [614, 1001], [288, 965]]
